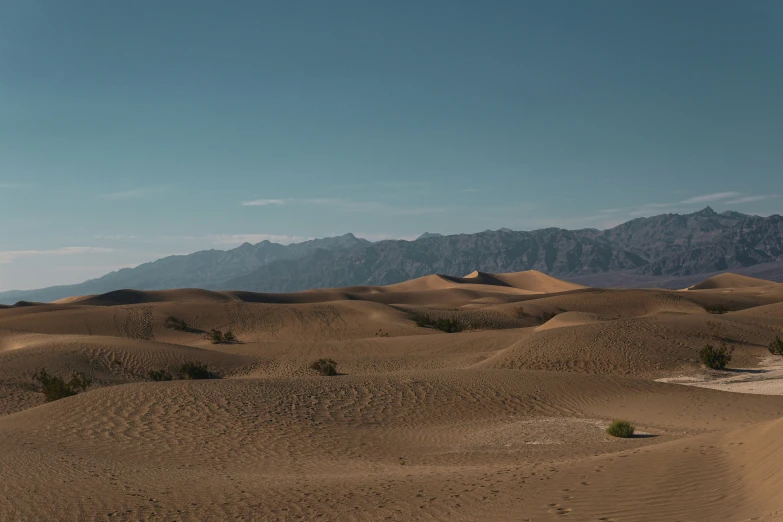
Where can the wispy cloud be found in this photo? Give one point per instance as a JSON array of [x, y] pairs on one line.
[[114, 237], [347, 205], [9, 256], [751, 199], [263, 202], [708, 198], [382, 236], [238, 239], [134, 193]]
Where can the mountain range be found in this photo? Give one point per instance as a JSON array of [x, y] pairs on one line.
[[664, 250]]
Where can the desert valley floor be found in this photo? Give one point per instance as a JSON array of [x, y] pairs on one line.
[[504, 420]]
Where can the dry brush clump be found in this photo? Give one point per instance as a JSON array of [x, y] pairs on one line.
[[776, 346], [175, 323], [716, 358], [717, 309], [195, 370], [54, 387], [452, 321], [218, 337], [160, 375], [327, 367]]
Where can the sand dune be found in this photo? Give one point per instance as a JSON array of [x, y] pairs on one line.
[[502, 421], [729, 280]]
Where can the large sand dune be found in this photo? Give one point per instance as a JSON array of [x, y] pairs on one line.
[[502, 421]]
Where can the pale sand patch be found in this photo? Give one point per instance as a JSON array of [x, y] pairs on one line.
[[767, 379]]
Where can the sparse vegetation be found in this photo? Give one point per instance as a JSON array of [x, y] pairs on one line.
[[159, 375], [55, 388], [381, 333], [446, 324], [520, 312], [776, 346], [325, 367], [715, 358], [546, 316], [621, 428], [218, 337], [717, 309], [175, 323], [195, 370]]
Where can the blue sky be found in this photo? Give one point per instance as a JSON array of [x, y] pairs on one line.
[[133, 130]]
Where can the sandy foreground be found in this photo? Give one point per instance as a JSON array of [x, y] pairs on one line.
[[502, 421]]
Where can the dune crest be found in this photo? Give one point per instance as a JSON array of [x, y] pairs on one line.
[[729, 280]]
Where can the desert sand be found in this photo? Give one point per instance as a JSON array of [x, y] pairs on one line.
[[504, 420]]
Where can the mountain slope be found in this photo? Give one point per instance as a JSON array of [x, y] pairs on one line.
[[643, 249]]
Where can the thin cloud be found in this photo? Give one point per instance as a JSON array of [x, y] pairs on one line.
[[139, 192], [114, 237], [263, 202], [346, 205], [9, 256], [238, 239], [707, 198], [383, 236], [751, 199]]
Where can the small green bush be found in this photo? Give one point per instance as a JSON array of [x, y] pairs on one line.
[[194, 370], [776, 346], [175, 323], [620, 428], [55, 388], [546, 316], [216, 336], [715, 358], [325, 367], [448, 325], [159, 375], [717, 309]]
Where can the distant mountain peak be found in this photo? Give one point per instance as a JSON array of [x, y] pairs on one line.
[[706, 211], [429, 234]]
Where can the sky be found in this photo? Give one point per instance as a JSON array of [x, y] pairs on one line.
[[132, 130]]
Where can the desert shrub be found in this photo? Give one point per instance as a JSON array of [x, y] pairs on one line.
[[325, 367], [546, 316], [218, 337], [717, 309], [448, 325], [776, 346], [715, 358], [620, 428], [175, 323], [422, 319], [55, 388], [520, 312], [194, 370], [159, 375]]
